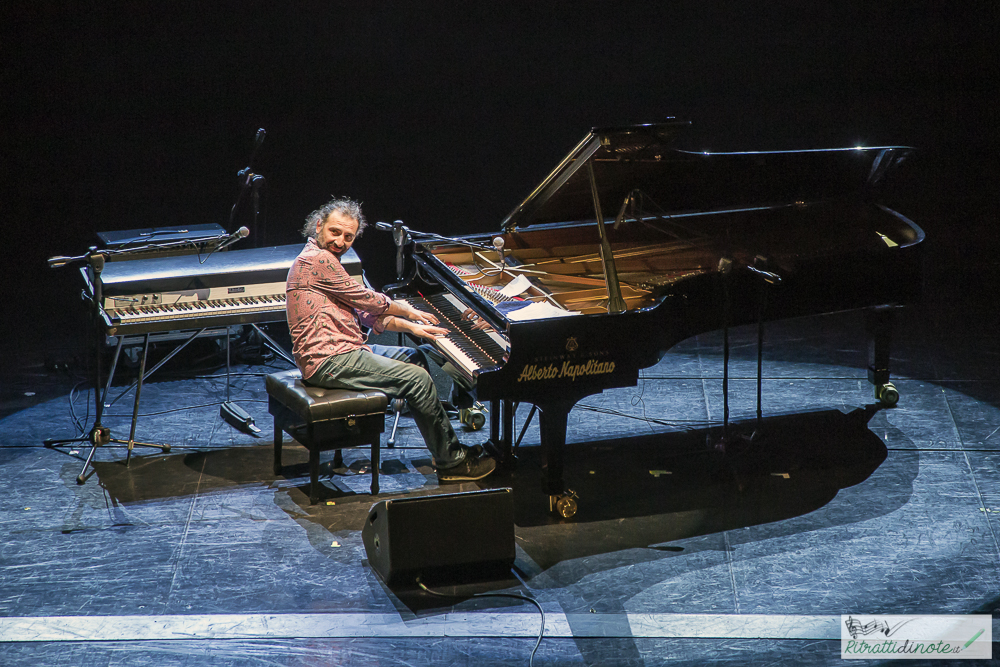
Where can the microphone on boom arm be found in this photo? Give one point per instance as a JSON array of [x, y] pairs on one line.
[[403, 233], [498, 244], [240, 233]]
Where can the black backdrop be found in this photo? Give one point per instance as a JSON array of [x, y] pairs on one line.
[[446, 115]]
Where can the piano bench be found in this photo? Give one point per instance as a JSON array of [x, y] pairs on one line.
[[324, 419]]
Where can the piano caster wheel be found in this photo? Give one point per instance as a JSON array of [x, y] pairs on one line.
[[564, 505], [474, 417], [887, 394]]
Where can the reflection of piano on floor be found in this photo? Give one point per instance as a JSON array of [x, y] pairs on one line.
[[694, 243]]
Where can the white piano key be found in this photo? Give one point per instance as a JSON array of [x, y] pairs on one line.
[[457, 356]]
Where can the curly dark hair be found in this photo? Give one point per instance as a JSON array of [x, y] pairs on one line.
[[345, 206]]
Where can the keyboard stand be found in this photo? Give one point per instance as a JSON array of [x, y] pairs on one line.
[[99, 434]]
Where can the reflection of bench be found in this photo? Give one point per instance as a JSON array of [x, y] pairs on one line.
[[324, 419]]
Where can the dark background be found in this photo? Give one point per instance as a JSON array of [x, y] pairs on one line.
[[447, 115]]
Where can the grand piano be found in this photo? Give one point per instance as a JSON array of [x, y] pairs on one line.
[[630, 246]]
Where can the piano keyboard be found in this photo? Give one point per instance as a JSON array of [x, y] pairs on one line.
[[468, 348], [190, 309]]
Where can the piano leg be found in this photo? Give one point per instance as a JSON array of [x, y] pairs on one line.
[[879, 323], [552, 426]]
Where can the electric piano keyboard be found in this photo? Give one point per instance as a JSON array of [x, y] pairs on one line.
[[197, 291]]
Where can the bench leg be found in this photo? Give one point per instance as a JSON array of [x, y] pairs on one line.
[[277, 448], [313, 476], [375, 467]]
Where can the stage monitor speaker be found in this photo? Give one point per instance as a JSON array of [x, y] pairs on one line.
[[451, 538]]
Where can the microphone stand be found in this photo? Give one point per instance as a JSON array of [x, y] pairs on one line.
[[252, 181], [766, 277], [758, 269], [401, 237], [61, 260], [233, 414], [99, 434]]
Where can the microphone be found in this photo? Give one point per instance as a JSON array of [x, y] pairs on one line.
[[383, 226], [259, 139], [240, 233], [498, 244], [60, 260]]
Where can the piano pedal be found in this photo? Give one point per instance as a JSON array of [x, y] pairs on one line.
[[473, 418], [239, 418]]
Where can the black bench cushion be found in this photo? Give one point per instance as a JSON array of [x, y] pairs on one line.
[[316, 404]]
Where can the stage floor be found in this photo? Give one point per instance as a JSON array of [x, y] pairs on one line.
[[679, 553]]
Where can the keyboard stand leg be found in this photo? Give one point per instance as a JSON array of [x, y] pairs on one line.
[[154, 368], [277, 349], [135, 409]]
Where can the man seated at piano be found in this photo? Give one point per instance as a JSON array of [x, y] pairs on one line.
[[326, 310]]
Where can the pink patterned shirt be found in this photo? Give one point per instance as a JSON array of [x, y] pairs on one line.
[[326, 307]]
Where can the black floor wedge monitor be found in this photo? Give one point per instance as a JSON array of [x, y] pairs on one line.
[[442, 539]]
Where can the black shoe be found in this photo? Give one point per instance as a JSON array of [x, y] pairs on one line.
[[474, 451], [469, 470]]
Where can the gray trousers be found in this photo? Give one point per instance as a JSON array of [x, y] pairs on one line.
[[399, 372]]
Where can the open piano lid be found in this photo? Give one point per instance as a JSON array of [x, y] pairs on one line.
[[639, 160]]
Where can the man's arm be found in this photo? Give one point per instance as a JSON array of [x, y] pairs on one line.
[[401, 309], [416, 329]]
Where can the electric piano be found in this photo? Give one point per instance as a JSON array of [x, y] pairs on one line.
[[196, 291], [630, 246]]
